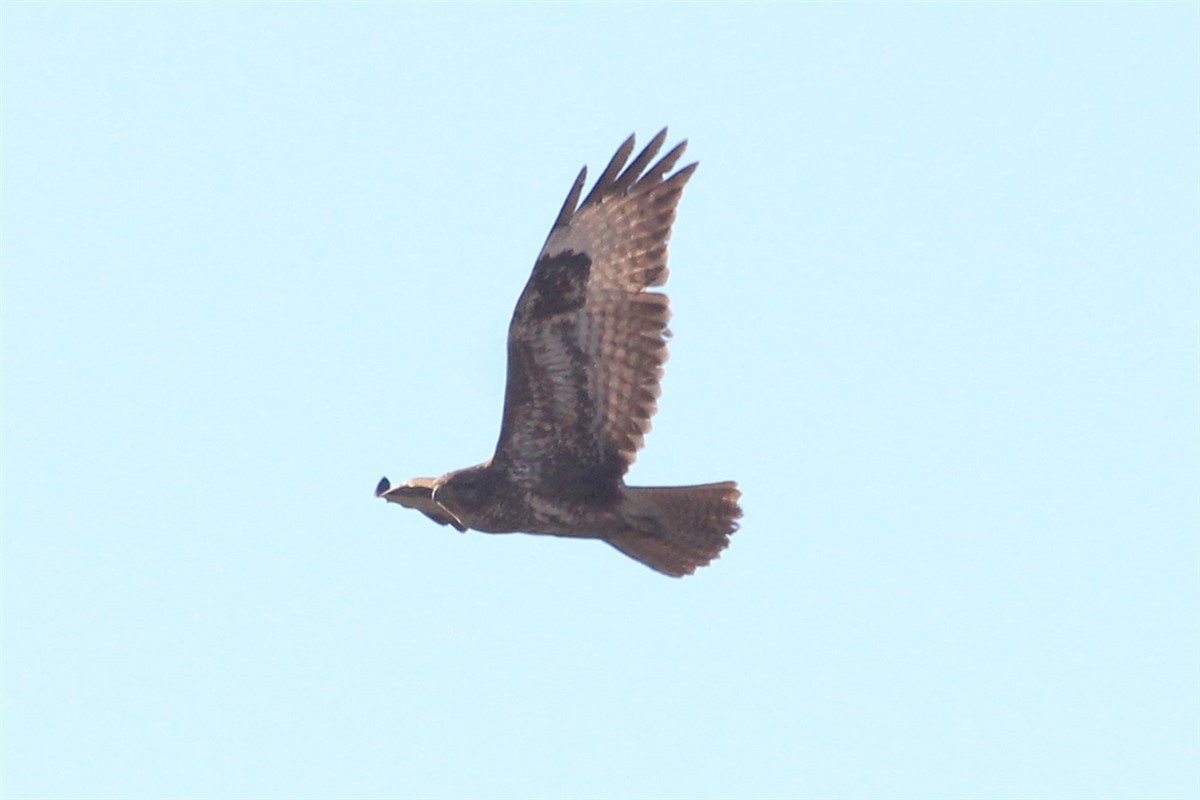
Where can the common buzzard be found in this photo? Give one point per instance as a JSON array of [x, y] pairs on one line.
[[585, 352]]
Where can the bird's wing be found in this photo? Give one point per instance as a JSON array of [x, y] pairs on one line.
[[418, 493], [587, 340]]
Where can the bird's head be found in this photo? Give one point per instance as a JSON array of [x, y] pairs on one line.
[[418, 493]]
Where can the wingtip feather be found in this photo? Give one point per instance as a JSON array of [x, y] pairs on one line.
[[611, 172], [572, 202]]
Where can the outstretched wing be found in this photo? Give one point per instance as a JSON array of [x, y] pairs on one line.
[[587, 340]]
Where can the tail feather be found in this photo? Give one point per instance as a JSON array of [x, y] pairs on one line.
[[675, 529]]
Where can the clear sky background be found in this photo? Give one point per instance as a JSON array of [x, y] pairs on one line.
[[937, 308]]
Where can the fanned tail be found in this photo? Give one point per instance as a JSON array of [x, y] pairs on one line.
[[676, 529]]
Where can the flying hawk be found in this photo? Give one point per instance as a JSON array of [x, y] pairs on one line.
[[585, 352]]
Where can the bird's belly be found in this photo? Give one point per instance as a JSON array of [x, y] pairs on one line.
[[545, 516], [554, 517]]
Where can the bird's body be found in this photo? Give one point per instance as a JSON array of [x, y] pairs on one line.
[[585, 352]]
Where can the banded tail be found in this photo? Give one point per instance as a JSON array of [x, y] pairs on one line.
[[681, 527]]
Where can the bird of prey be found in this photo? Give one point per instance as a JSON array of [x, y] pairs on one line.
[[586, 348]]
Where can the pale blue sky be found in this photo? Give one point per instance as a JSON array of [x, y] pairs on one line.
[[937, 308]]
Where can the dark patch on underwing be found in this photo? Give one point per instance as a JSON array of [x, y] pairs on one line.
[[558, 284]]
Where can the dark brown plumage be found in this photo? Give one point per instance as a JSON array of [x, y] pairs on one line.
[[585, 352]]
